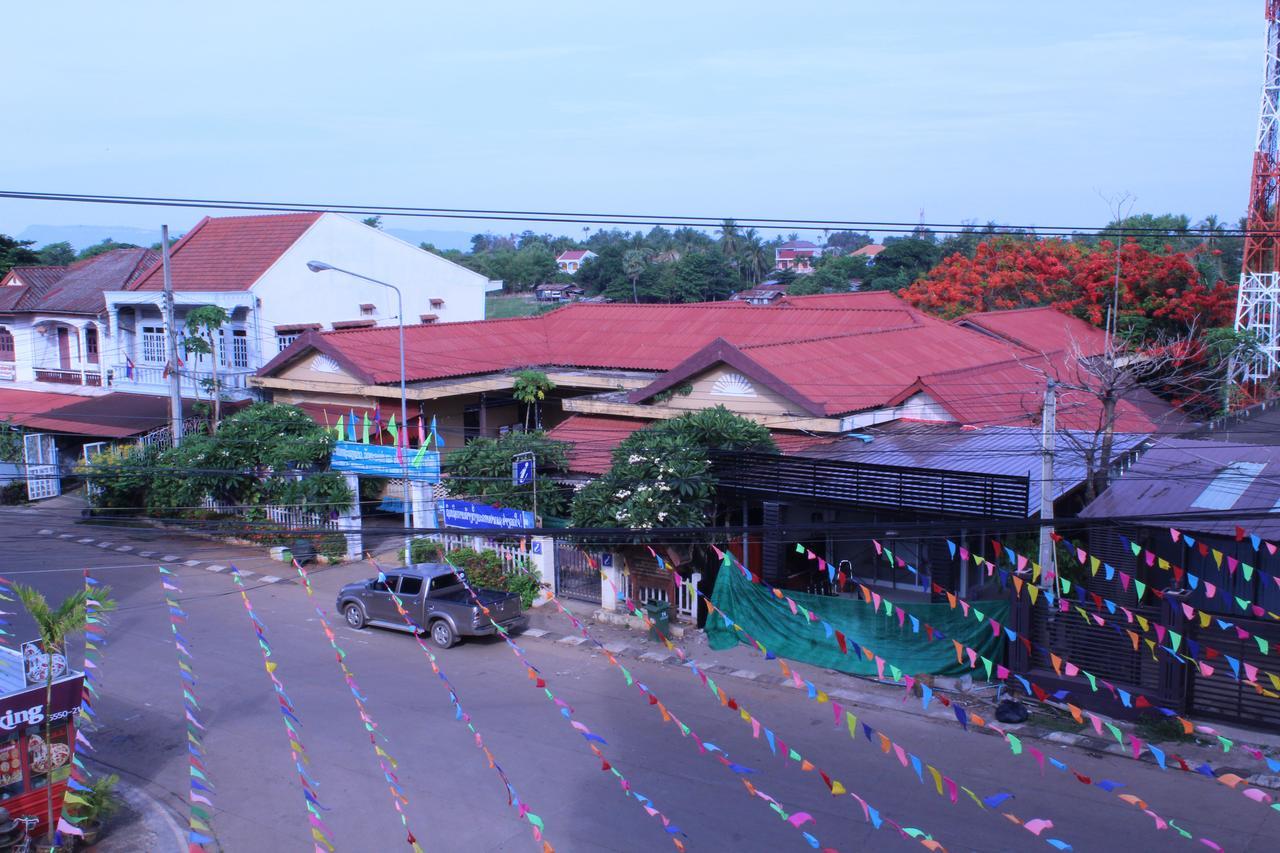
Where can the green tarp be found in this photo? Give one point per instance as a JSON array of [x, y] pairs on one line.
[[769, 620]]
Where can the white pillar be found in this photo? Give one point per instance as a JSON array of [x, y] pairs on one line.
[[82, 345], [542, 555], [349, 521], [611, 566], [423, 503]]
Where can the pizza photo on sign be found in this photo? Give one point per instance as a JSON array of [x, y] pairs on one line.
[[36, 663]]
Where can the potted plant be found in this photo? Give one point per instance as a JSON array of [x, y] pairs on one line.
[[100, 802]]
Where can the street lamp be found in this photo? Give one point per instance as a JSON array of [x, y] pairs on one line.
[[321, 266]]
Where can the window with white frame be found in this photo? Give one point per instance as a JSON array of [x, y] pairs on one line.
[[153, 344], [235, 352], [283, 342]]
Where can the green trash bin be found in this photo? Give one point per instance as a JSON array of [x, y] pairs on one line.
[[659, 613]]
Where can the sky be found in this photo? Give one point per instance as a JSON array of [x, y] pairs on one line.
[[1022, 113]]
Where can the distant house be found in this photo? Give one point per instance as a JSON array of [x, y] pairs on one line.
[[763, 294], [558, 292], [572, 260], [797, 255], [869, 252]]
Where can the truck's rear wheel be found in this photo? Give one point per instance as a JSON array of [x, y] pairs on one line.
[[354, 614], [442, 634]]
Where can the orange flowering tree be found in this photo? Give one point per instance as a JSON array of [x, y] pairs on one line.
[[1159, 291]]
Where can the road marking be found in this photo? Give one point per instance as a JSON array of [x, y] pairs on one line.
[[170, 558], [534, 632], [104, 544], [125, 548], [271, 579], [246, 573], [214, 567], [572, 641], [192, 562], [84, 541], [66, 536], [44, 531], [146, 553]]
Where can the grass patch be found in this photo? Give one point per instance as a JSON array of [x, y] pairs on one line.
[[503, 307], [1157, 727]]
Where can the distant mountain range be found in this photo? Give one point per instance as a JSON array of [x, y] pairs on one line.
[[83, 236]]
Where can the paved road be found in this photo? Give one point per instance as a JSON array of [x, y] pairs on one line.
[[457, 803]]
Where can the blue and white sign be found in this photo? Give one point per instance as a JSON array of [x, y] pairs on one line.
[[380, 460], [479, 516], [522, 472]]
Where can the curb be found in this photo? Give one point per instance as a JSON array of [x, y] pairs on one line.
[[171, 559], [157, 828]]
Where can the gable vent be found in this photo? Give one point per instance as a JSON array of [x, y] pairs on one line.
[[733, 385]]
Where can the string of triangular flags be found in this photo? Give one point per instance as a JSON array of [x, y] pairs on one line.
[[1062, 666], [200, 789], [94, 641], [1175, 638], [541, 683], [842, 717], [776, 745], [320, 832], [963, 717], [1161, 632], [797, 819], [386, 763], [1246, 605], [535, 822]]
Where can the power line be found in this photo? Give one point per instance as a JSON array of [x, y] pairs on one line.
[[612, 218]]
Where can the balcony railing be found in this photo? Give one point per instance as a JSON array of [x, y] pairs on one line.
[[69, 377], [8, 371], [144, 374]]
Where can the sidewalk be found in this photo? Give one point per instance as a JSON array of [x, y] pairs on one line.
[[547, 624]]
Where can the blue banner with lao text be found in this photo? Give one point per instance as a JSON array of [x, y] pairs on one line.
[[380, 460], [481, 516]]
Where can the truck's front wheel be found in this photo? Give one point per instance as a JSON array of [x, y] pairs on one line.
[[442, 634], [354, 615]]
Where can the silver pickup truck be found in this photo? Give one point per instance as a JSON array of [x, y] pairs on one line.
[[436, 600]]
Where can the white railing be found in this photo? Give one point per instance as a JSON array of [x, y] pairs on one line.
[[292, 517], [513, 557], [686, 604], [8, 371], [163, 437], [146, 374]]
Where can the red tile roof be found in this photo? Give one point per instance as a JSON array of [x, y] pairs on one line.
[[595, 436], [572, 255], [1039, 330], [831, 355], [618, 336], [76, 289], [229, 252], [869, 251]]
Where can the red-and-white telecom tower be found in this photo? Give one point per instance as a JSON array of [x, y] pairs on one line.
[[1258, 301]]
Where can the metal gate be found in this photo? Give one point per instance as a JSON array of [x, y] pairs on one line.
[[575, 578], [40, 455]]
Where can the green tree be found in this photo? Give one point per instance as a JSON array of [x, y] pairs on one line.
[[55, 625], [15, 253], [530, 387], [481, 470], [902, 262], [634, 262], [107, 245], [373, 222], [1156, 233], [755, 259], [203, 327], [661, 475], [57, 254]]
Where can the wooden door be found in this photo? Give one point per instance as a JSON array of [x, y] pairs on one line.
[[64, 348]]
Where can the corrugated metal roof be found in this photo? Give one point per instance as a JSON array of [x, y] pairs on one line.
[[1174, 474], [1040, 329], [1013, 451], [1229, 486]]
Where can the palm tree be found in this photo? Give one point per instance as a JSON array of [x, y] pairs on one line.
[[55, 625], [755, 257], [729, 237], [634, 262]]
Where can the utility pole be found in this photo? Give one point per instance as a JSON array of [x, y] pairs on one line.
[[170, 324], [1048, 420]]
